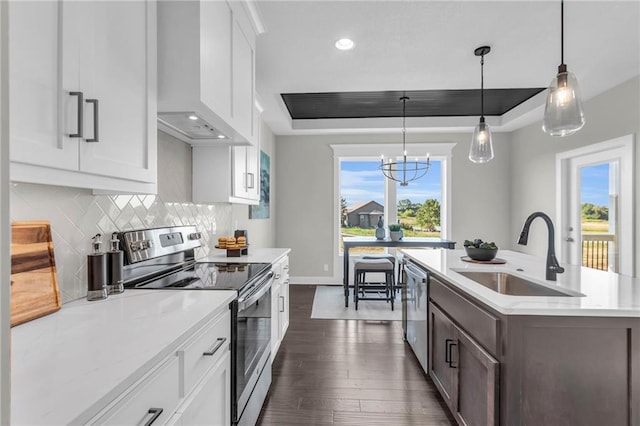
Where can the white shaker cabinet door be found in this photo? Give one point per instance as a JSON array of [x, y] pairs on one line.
[[37, 132], [210, 402], [117, 69]]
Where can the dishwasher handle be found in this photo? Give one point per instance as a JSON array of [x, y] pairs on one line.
[[416, 273]]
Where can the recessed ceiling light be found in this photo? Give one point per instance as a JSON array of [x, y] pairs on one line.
[[222, 137], [193, 117], [345, 44]]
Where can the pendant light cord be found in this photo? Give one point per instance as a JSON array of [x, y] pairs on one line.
[[404, 120], [562, 31], [482, 86]]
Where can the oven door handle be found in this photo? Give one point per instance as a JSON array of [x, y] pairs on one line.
[[256, 294]]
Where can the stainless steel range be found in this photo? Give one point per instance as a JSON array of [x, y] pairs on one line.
[[163, 258]]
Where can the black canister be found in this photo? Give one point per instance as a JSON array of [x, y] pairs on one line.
[[242, 233], [115, 261], [96, 272]]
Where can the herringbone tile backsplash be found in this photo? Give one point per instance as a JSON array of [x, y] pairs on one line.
[[76, 215]]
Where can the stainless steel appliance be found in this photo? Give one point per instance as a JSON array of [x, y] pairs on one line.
[[417, 315], [163, 258]]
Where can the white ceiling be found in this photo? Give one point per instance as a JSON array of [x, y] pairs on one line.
[[422, 45]]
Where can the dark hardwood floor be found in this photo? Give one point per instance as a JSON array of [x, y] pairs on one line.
[[347, 372]]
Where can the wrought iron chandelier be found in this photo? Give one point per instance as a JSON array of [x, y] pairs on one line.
[[404, 171]]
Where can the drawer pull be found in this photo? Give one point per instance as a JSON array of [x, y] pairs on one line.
[[449, 343], [282, 305], [156, 413], [215, 348]]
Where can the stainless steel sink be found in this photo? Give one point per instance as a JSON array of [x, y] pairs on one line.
[[505, 283]]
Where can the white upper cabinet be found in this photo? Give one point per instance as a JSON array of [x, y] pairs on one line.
[[34, 53], [206, 71], [83, 98], [228, 174]]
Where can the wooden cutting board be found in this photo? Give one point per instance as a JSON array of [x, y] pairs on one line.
[[34, 282]]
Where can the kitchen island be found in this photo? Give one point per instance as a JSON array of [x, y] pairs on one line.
[[499, 359]]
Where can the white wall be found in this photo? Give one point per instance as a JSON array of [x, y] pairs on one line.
[[305, 203], [609, 115]]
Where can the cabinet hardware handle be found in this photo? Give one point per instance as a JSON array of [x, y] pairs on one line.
[[95, 120], [219, 342], [253, 181], [449, 343], [79, 130], [285, 267], [282, 306], [156, 413]]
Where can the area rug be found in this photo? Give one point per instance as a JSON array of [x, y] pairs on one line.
[[328, 303]]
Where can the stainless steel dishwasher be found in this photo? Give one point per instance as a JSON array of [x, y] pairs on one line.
[[416, 308]]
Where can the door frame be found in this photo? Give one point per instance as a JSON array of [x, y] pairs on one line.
[[624, 146]]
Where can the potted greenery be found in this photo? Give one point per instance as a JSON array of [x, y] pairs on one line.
[[395, 232]]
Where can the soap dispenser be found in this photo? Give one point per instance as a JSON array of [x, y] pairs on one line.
[[96, 272], [115, 259]]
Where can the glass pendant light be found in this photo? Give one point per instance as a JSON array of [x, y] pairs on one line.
[[481, 144], [563, 114]]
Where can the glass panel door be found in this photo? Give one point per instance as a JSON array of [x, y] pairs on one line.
[[599, 199]]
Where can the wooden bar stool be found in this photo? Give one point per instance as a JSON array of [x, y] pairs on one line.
[[362, 286]]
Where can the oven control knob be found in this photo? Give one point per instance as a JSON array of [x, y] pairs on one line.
[[195, 236]]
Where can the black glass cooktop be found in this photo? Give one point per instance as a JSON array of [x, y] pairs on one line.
[[209, 276]]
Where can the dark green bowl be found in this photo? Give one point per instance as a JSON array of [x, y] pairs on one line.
[[481, 253]]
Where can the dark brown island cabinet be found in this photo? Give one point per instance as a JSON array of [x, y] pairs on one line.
[[510, 370]]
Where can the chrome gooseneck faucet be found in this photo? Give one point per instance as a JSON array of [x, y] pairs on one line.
[[553, 267]]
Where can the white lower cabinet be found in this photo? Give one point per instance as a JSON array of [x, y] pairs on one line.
[[151, 401], [210, 401], [192, 386], [279, 304]]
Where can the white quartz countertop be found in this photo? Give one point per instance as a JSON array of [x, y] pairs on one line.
[[68, 365], [605, 293], [255, 255]]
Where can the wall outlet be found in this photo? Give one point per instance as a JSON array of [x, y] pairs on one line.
[[325, 267]]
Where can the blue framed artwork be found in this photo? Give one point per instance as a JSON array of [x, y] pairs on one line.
[[261, 211]]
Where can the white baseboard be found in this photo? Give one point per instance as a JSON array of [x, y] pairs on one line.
[[316, 280]]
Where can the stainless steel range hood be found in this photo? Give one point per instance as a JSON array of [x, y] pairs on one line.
[[189, 126]]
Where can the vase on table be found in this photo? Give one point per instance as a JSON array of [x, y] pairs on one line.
[[395, 235], [380, 229]]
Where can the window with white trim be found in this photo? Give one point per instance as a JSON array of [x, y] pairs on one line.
[[363, 195]]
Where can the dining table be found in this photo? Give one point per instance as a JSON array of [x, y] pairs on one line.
[[414, 242]]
